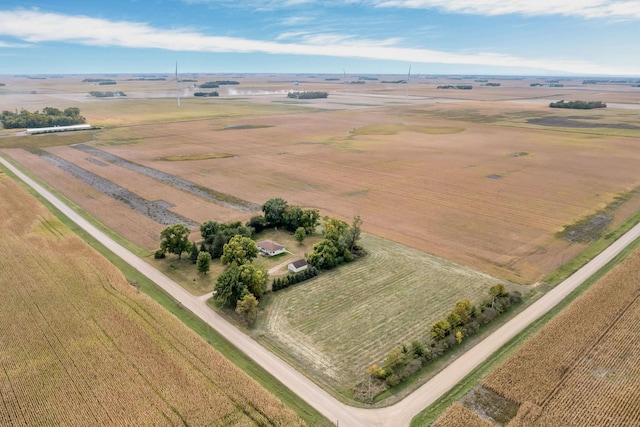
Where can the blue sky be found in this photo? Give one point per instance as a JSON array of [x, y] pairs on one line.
[[511, 37]]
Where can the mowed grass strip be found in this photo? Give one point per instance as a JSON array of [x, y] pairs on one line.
[[341, 322], [79, 345]]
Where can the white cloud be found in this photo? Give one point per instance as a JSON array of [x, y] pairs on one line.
[[39, 27], [13, 45], [617, 9]]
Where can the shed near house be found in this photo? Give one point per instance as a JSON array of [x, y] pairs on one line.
[[270, 248], [298, 266]]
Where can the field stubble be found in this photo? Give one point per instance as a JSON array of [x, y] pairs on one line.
[[582, 367], [341, 322], [81, 347]]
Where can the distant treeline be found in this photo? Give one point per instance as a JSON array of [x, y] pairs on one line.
[[98, 94], [47, 118], [2, 84], [217, 83], [110, 82], [214, 93], [578, 105], [546, 84], [307, 95], [492, 84], [367, 78], [394, 81], [463, 87], [597, 81], [331, 79], [150, 79], [92, 80]]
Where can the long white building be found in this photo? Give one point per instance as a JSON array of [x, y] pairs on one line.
[[58, 129]]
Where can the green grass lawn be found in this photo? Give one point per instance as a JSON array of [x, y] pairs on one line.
[[338, 324], [186, 273]]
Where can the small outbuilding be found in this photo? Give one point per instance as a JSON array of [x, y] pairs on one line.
[[270, 248], [298, 266]]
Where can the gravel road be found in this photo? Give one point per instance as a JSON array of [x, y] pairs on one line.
[[399, 414]]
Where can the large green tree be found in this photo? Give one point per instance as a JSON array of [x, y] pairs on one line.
[[237, 281], [274, 211], [204, 262], [354, 233], [240, 250], [175, 239], [247, 307], [309, 220], [325, 255], [208, 231], [229, 288]]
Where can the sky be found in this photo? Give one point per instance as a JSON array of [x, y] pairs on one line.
[[464, 37]]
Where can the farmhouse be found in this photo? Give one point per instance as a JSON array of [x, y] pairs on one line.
[[270, 248], [298, 266]]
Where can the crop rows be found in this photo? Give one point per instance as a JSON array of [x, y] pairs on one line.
[[79, 346], [582, 368]]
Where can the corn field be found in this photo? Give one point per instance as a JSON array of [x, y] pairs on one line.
[[79, 346], [458, 415], [582, 368]]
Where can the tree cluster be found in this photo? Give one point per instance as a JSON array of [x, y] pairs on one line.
[[241, 278], [110, 82], [394, 81], [463, 321], [208, 85], [462, 87], [217, 234], [578, 105], [292, 279], [339, 244], [47, 118], [278, 213], [213, 93], [307, 95], [99, 94], [226, 82], [94, 80]]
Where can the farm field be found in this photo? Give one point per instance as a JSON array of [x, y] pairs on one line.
[[81, 347], [469, 177], [345, 320], [582, 367]]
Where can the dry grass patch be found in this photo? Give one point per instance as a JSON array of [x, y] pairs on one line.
[[186, 157], [458, 415], [81, 347], [338, 324], [395, 128]]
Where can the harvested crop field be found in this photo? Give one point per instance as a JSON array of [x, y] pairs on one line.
[[81, 347], [583, 367], [437, 174], [345, 320]]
